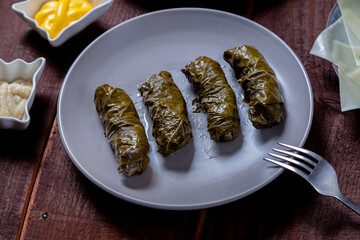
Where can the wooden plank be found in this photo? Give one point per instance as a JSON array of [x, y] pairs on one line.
[[244, 8], [265, 214], [21, 151], [289, 208]]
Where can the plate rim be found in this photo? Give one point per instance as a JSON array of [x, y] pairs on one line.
[[181, 206]]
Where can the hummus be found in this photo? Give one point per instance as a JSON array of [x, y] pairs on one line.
[[13, 97]]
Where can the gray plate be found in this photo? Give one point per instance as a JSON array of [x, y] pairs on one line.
[[204, 173]]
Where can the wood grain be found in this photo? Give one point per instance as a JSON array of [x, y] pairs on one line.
[[21, 151]]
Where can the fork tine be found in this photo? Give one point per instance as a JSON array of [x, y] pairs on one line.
[[297, 163], [302, 150], [295, 155], [288, 167]]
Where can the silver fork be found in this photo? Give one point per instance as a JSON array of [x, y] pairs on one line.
[[313, 168]]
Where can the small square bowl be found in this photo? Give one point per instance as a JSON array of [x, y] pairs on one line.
[[28, 9], [15, 70]]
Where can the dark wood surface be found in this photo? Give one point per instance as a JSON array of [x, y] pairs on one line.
[[44, 196]]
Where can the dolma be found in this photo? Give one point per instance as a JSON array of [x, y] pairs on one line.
[[123, 129], [215, 97], [167, 108], [258, 80]]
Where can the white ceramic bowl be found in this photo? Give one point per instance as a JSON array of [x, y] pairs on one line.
[[15, 70], [28, 9]]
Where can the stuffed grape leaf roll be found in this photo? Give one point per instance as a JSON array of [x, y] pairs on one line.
[[123, 129], [167, 108], [215, 97], [258, 80]]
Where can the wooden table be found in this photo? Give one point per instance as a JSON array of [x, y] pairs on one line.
[[44, 196]]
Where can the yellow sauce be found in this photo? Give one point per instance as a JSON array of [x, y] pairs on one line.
[[54, 16], [13, 97]]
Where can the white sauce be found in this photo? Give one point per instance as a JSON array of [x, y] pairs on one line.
[[13, 97]]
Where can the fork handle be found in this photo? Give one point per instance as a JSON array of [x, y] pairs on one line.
[[350, 204]]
